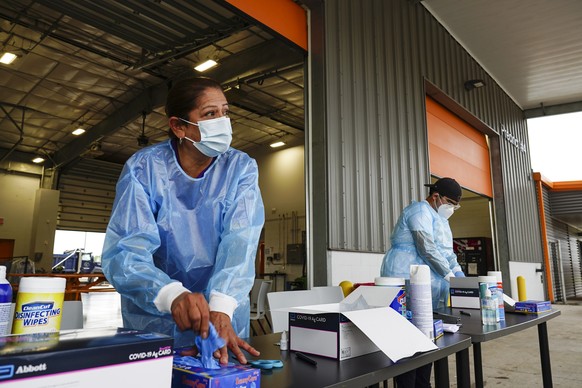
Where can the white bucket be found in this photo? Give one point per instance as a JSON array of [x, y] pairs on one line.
[[39, 305]]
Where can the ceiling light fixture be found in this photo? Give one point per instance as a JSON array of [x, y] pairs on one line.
[[474, 84], [78, 131], [208, 64], [38, 160], [7, 58], [277, 144]]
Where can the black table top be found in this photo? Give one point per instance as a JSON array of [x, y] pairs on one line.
[[358, 371], [514, 322]]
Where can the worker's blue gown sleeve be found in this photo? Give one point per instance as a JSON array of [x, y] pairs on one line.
[[166, 226], [421, 236]]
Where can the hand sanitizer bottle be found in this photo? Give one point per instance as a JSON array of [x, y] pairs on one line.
[[488, 305]]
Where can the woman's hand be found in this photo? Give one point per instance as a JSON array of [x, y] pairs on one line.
[[191, 312], [224, 328]]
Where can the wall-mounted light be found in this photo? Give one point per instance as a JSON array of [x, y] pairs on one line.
[[277, 144], [7, 58], [474, 84], [208, 64], [78, 131], [38, 160]]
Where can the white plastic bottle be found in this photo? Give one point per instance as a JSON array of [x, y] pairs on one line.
[[5, 303], [283, 345]]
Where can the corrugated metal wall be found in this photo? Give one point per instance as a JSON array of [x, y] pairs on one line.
[[566, 202], [564, 249], [378, 55], [87, 192]]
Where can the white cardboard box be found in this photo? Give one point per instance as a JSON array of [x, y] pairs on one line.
[[91, 358], [464, 292], [356, 326]]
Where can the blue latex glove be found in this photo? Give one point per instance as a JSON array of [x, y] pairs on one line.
[[459, 274], [207, 347]]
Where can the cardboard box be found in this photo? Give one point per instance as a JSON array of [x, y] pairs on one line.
[[337, 336], [532, 306], [356, 326], [188, 375], [464, 292], [86, 359]]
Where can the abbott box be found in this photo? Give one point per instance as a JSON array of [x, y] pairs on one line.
[[188, 374], [86, 359], [356, 326]]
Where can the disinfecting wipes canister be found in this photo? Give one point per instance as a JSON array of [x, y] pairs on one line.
[[39, 305], [399, 302]]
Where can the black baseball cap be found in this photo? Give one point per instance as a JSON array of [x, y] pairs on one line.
[[447, 187]]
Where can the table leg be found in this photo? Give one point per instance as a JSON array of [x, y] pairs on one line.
[[463, 369], [441, 372], [478, 365], [545, 355]]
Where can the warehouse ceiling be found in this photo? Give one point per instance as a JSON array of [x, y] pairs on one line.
[[531, 48], [106, 66]]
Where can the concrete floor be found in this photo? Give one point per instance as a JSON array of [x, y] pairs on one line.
[[510, 361], [514, 361]]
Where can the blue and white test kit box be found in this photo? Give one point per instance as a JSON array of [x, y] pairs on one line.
[[90, 358], [532, 306]]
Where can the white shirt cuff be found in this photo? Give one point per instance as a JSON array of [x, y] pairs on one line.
[[222, 303], [449, 276], [167, 295]]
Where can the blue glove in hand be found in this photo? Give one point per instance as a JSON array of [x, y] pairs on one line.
[[207, 347], [459, 274]]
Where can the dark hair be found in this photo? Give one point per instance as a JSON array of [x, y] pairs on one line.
[[185, 95]]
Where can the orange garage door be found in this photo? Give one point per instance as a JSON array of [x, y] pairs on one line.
[[457, 150]]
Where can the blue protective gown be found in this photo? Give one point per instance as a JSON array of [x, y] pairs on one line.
[[166, 226], [421, 236]]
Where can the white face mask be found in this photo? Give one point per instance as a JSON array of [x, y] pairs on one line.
[[446, 210], [215, 136]]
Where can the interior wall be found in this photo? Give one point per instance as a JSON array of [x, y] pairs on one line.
[[282, 183], [472, 219], [17, 199]]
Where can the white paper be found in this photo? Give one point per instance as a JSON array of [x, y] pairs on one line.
[[391, 332], [450, 327], [508, 300]]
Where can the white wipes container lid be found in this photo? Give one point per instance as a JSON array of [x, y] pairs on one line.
[[42, 284], [386, 281], [488, 279], [497, 275]]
